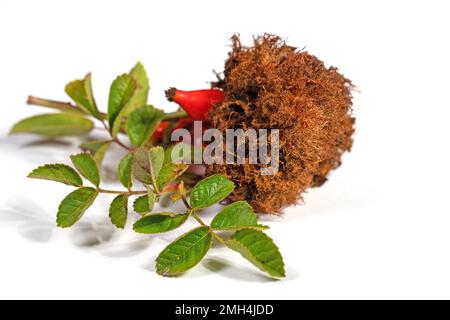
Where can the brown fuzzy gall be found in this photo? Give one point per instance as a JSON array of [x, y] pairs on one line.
[[271, 85]]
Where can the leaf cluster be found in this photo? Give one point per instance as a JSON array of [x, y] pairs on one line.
[[150, 167]]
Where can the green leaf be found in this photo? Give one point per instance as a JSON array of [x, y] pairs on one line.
[[147, 164], [168, 153], [87, 166], [169, 172], [81, 92], [159, 222], [141, 206], [122, 89], [151, 198], [97, 149], [125, 171], [210, 190], [238, 215], [259, 249], [54, 125], [118, 211], [140, 168], [156, 160], [59, 173], [139, 98], [145, 204], [185, 252], [142, 123], [74, 206], [180, 152]]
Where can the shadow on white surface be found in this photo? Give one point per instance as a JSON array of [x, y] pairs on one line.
[[89, 235], [233, 272], [96, 233], [33, 222], [218, 266], [105, 239], [35, 150], [125, 250], [53, 143]]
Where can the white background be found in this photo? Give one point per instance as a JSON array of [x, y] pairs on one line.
[[378, 229]]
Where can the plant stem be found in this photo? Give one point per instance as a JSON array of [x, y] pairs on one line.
[[196, 217], [114, 139], [185, 202], [67, 106], [215, 235], [118, 142], [129, 192], [175, 115], [105, 125], [219, 238], [201, 222], [63, 106]]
